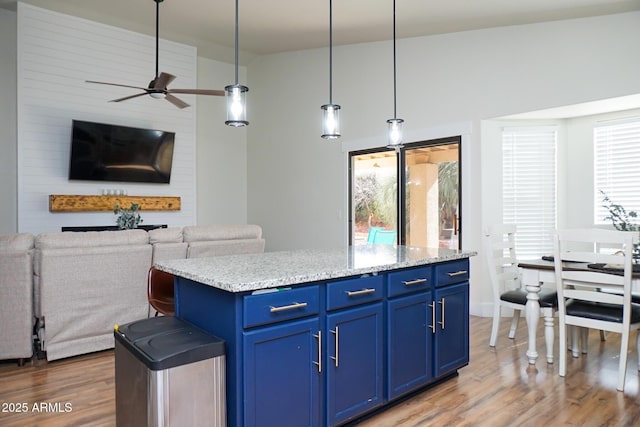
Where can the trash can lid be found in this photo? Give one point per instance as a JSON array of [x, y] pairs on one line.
[[146, 328], [164, 344]]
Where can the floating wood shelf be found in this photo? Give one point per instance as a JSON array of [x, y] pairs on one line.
[[84, 203]]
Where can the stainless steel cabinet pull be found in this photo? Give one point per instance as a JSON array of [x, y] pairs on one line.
[[288, 307], [413, 282], [441, 322], [335, 358], [362, 292], [432, 326], [319, 362], [458, 273]]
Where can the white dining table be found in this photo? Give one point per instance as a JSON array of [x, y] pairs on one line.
[[535, 274]]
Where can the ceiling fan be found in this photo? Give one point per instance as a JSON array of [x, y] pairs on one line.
[[158, 86]]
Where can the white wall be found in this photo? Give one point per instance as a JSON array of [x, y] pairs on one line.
[[296, 180], [8, 141], [56, 54]]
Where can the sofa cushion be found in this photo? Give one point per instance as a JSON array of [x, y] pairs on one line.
[[199, 233], [16, 241], [165, 235], [83, 239], [225, 247], [165, 251]]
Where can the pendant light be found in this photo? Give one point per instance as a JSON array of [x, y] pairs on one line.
[[330, 111], [394, 126], [236, 94]]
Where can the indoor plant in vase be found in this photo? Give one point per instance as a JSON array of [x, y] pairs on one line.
[[127, 218]]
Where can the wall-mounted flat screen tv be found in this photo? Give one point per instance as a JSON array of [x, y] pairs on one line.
[[104, 152]]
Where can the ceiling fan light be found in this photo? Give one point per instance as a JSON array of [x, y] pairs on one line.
[[157, 95], [236, 96], [394, 133], [330, 121]]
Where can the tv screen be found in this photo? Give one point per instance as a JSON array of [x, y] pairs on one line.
[[103, 152]]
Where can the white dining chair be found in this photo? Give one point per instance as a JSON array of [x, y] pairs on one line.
[[581, 302], [500, 253]]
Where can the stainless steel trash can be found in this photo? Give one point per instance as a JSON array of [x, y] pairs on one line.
[[168, 373]]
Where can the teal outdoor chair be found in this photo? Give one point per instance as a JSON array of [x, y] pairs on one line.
[[372, 233], [385, 237]]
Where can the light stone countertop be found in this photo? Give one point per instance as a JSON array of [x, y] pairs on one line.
[[251, 272]]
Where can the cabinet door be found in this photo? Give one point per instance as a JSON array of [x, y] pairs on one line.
[[281, 375], [354, 362], [452, 328], [409, 343]]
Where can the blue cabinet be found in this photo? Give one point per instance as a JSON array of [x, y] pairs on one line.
[[409, 344], [282, 382], [427, 325], [452, 328], [354, 370]]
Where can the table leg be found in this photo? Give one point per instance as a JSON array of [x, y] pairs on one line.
[[532, 310], [548, 332]]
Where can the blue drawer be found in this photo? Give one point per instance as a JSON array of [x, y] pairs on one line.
[[410, 280], [280, 305], [361, 290], [452, 272]]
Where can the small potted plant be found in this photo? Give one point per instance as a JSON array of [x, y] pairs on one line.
[[127, 218], [622, 220]]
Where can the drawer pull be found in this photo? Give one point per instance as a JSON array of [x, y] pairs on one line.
[[362, 292], [458, 273], [288, 307], [413, 282]]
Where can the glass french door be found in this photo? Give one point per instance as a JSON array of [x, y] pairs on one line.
[[410, 197]]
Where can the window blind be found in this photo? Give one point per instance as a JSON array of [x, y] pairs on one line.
[[616, 156], [529, 187]]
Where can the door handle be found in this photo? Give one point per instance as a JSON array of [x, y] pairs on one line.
[[335, 334], [319, 362], [432, 326], [441, 322]]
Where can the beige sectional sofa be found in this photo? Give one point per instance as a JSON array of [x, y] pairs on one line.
[[74, 286], [16, 296]]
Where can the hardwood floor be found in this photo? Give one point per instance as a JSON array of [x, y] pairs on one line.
[[498, 388]]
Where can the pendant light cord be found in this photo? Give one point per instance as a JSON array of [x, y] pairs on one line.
[[395, 116], [331, 51], [236, 49], [157, 30]]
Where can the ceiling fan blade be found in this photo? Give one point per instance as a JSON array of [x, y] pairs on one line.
[[128, 97], [116, 84], [175, 101], [198, 91], [163, 80]]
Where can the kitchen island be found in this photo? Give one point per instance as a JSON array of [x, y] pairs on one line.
[[322, 337]]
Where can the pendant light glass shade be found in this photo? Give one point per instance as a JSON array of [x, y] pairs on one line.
[[394, 133], [394, 126], [330, 121], [236, 94], [330, 111]]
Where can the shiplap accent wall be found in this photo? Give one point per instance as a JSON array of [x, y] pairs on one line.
[[56, 54]]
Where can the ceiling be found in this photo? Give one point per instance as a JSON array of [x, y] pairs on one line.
[[272, 26]]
